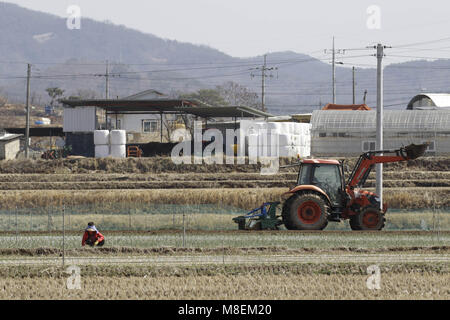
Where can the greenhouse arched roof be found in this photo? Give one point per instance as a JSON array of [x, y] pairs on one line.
[[438, 100], [425, 120]]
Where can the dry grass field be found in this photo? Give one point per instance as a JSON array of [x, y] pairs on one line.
[[165, 165], [247, 287], [147, 257], [251, 282], [292, 265], [246, 198], [422, 183]]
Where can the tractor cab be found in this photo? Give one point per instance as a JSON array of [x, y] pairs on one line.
[[327, 175]]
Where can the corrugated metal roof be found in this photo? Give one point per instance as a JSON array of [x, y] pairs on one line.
[[167, 106], [9, 137], [122, 105], [225, 112]]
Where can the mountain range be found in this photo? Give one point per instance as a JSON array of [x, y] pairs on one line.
[[75, 60]]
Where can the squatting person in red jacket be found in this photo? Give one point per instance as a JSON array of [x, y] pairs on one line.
[[92, 236]]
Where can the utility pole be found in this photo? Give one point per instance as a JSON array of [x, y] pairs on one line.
[[334, 51], [353, 76], [27, 125], [365, 96], [106, 93], [264, 74], [63, 235], [379, 143], [263, 85], [379, 136], [333, 77], [107, 80]]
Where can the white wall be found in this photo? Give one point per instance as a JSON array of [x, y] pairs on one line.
[[79, 119], [132, 123], [9, 149]]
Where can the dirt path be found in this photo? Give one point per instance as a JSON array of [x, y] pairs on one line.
[[235, 259]]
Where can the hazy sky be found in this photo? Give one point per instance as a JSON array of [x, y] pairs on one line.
[[243, 28]]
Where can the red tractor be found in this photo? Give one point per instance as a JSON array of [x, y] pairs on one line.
[[323, 195]]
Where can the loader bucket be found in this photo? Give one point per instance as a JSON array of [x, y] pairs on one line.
[[414, 151]]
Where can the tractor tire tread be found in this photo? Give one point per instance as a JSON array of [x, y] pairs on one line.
[[287, 214], [356, 223]]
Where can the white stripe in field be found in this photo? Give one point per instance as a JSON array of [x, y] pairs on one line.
[[235, 259]]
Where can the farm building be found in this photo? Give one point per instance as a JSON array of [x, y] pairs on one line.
[[9, 145], [349, 133], [144, 120], [142, 126], [145, 127], [430, 101]]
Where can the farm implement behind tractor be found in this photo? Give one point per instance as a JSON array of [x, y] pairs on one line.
[[262, 218], [323, 195]]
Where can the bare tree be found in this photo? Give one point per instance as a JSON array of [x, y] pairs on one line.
[[86, 94], [35, 98], [54, 93], [238, 95], [3, 98]]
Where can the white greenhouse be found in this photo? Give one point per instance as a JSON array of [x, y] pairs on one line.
[[349, 133]]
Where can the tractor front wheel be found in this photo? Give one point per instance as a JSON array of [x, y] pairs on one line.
[[369, 218], [307, 211]]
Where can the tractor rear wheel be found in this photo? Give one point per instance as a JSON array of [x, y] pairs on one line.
[[370, 218], [307, 211]]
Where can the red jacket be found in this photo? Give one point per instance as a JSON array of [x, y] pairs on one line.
[[96, 237]]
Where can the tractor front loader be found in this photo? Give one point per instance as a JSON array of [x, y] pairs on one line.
[[323, 195]]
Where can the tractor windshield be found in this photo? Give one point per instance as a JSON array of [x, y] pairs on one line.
[[325, 176], [305, 174]]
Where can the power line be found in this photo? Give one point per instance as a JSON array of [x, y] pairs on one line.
[[417, 57], [421, 43]]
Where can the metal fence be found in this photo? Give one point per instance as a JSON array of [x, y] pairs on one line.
[[119, 217], [53, 234], [139, 224], [151, 217]]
